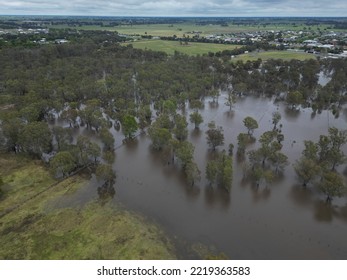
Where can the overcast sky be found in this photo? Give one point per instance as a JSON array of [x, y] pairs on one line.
[[230, 8]]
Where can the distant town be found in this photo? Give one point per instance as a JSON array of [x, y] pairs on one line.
[[325, 38]]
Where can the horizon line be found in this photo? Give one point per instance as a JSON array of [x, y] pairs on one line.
[[168, 16]]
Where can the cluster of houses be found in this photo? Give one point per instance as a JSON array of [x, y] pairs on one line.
[[311, 41], [44, 41], [39, 31]]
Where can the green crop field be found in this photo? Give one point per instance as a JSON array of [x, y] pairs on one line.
[[285, 55], [171, 46]]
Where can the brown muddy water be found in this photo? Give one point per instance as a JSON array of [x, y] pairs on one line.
[[280, 221]]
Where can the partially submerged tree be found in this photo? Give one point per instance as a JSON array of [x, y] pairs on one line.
[[107, 139], [332, 185], [180, 129], [230, 99], [160, 137], [215, 136], [105, 172], [220, 171], [307, 170], [250, 124], [185, 154], [196, 119]]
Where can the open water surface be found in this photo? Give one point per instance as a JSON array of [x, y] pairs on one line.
[[279, 221]]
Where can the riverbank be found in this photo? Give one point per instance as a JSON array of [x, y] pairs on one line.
[[97, 230]]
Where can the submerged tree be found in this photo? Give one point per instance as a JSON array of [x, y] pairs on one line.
[[185, 154], [332, 185], [220, 171], [105, 172], [196, 119], [215, 136], [260, 174], [230, 99], [306, 169], [160, 137], [320, 159], [180, 129], [250, 124], [107, 139], [276, 117]]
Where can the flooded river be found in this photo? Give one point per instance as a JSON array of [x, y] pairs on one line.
[[280, 221]]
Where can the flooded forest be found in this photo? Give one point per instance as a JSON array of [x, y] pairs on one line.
[[243, 160]]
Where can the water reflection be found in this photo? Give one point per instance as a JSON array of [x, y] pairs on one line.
[[229, 114], [216, 196], [131, 146], [260, 193], [300, 195], [324, 212], [195, 134]]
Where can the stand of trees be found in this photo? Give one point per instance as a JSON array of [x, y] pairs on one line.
[[319, 161], [96, 83]]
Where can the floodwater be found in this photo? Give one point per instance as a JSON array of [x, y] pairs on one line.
[[280, 221]]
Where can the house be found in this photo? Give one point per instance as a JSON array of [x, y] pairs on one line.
[[61, 41]]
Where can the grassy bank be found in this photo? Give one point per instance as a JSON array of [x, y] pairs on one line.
[[94, 231]]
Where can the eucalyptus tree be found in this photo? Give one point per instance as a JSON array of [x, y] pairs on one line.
[[36, 139], [307, 170], [220, 171], [332, 184], [160, 137], [294, 98], [215, 136], [129, 126], [230, 99], [185, 154], [196, 119], [63, 162], [105, 172], [250, 124], [180, 129], [107, 139]]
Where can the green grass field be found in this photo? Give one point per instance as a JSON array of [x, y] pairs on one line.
[[185, 28], [285, 55], [171, 46]]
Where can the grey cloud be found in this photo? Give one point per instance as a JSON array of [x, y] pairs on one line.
[[177, 7]]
